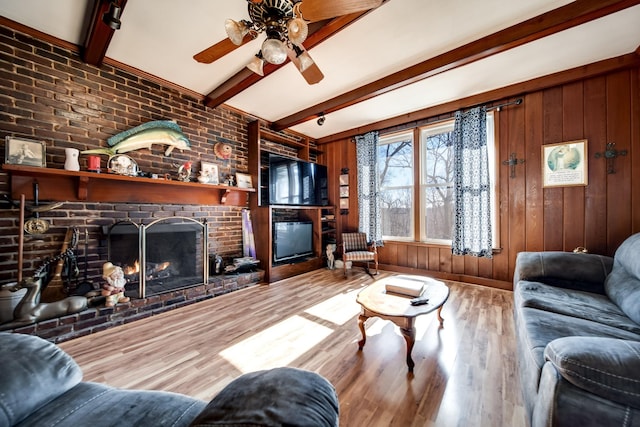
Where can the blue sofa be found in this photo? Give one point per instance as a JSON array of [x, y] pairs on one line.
[[41, 385], [578, 336]]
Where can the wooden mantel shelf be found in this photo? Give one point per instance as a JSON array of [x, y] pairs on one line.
[[60, 185]]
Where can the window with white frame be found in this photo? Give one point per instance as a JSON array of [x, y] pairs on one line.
[[395, 196], [432, 195], [437, 203]]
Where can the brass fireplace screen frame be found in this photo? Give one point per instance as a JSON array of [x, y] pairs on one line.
[[142, 230]]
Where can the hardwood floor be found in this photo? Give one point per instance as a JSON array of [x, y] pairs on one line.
[[465, 373]]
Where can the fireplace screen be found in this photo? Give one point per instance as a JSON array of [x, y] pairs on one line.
[[163, 256]]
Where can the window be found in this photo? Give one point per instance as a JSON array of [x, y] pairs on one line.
[[432, 195], [436, 183], [395, 174]]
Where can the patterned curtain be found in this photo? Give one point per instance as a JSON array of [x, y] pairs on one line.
[[369, 212], [472, 231]]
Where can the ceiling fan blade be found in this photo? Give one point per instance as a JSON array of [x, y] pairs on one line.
[[312, 74], [310, 70], [317, 10], [220, 49]]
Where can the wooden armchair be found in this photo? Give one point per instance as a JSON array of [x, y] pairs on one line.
[[356, 248]]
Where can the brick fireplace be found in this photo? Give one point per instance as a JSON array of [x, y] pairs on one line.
[[223, 237], [165, 255], [54, 97]]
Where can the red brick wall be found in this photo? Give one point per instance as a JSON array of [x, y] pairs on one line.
[[48, 94]]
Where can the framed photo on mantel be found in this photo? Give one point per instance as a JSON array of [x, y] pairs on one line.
[[25, 152], [243, 180]]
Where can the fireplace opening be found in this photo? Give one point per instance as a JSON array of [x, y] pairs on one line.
[[163, 256]]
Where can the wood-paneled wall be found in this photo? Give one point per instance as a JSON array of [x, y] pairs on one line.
[[599, 216]]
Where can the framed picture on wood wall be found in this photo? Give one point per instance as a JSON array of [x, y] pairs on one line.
[[25, 152], [565, 164]]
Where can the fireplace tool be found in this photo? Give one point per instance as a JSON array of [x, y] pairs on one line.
[[35, 224], [86, 285]]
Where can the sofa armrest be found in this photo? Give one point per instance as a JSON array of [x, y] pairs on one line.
[[584, 272], [606, 367], [33, 372], [275, 397]]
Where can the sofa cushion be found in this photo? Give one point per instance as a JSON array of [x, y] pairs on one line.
[[107, 406], [607, 367], [584, 305], [583, 272], [536, 328], [623, 284], [541, 327], [33, 373], [276, 397]]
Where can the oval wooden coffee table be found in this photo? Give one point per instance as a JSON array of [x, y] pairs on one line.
[[377, 302]]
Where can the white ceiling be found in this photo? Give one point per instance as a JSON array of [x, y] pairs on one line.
[[160, 37]]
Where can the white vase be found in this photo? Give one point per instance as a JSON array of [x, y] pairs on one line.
[[71, 162]]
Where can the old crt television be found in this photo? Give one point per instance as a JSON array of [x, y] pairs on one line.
[[292, 240], [297, 182]]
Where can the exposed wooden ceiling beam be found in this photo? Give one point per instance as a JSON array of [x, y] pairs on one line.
[[631, 60], [318, 32], [562, 18], [99, 35]]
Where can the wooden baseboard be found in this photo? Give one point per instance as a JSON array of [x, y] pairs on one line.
[[492, 283]]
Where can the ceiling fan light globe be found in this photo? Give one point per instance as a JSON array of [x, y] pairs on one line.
[[256, 65], [274, 51], [235, 31], [298, 30], [305, 61]]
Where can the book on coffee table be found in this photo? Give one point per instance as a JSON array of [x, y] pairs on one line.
[[412, 288]]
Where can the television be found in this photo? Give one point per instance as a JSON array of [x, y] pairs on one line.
[[292, 240], [297, 182]]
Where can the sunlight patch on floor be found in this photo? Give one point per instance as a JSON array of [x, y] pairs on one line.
[[338, 309], [276, 346]]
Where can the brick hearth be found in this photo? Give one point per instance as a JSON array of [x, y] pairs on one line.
[[96, 319]]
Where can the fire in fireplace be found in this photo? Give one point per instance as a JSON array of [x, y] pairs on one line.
[[162, 256]]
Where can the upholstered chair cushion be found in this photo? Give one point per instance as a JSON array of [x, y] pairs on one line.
[[354, 242], [33, 372], [623, 284], [359, 256]]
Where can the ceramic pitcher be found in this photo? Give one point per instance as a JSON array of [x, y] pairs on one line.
[[71, 162]]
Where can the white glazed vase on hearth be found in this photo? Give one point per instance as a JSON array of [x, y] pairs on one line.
[[71, 161]]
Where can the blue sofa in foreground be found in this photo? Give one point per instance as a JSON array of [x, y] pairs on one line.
[[578, 336], [41, 385]]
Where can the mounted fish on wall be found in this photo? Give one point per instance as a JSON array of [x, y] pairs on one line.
[[163, 132]]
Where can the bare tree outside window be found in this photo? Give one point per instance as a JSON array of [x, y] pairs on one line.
[[395, 172], [437, 211], [434, 196]]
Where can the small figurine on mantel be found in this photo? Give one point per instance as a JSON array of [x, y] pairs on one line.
[[113, 290], [231, 180]]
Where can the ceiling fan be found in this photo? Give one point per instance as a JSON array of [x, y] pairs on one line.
[[285, 24]]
